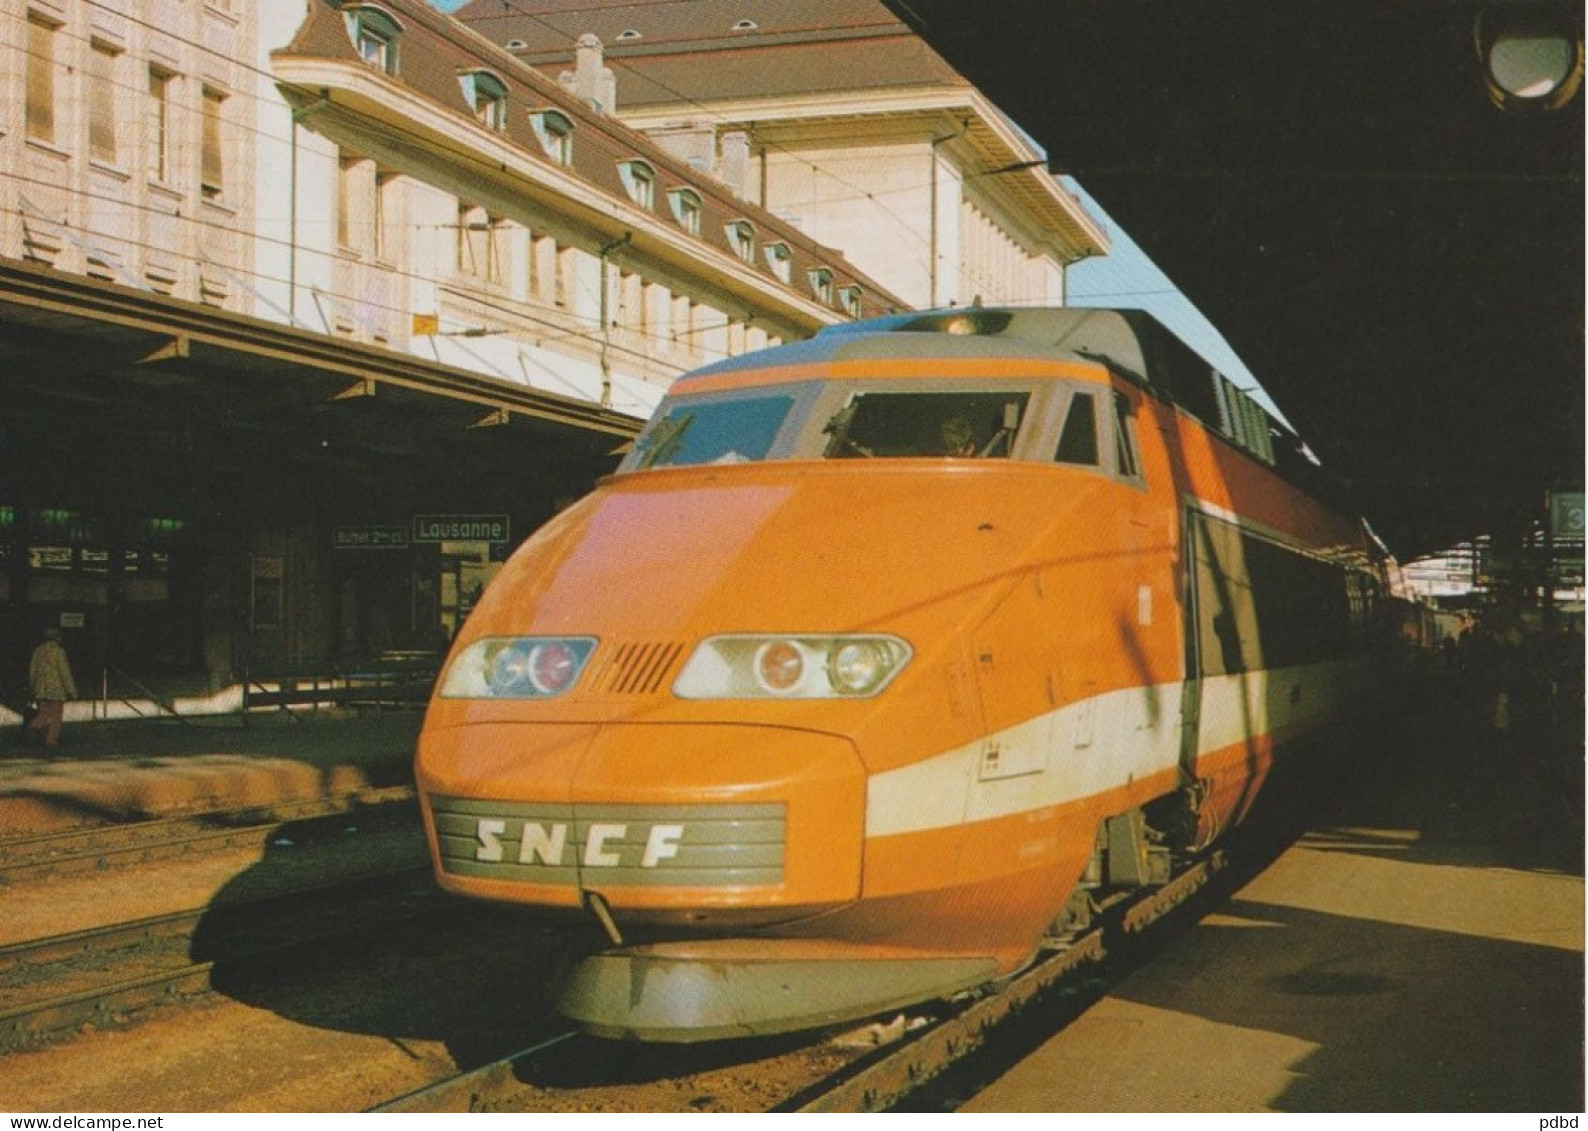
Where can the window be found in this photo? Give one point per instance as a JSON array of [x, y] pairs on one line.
[[345, 169], [386, 247], [358, 206], [780, 260], [555, 132], [375, 35], [630, 300], [685, 204], [639, 181], [102, 99], [566, 281], [157, 126], [679, 325], [849, 300], [911, 425], [822, 285], [478, 233], [212, 161], [1261, 605], [1124, 438], [487, 97], [1078, 440], [1243, 420], [695, 430], [542, 268], [41, 80], [741, 238]]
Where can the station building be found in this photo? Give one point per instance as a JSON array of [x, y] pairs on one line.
[[311, 310], [835, 116]]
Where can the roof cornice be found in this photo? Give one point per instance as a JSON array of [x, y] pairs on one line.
[[351, 92], [996, 143]]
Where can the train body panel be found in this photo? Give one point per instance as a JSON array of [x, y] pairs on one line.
[[797, 687]]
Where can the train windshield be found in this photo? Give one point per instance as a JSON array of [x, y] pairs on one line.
[[697, 430], [973, 425]]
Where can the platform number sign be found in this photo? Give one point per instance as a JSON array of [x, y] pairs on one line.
[[1566, 515]]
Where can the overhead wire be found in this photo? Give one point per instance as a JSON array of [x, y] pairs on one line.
[[924, 261], [558, 330]]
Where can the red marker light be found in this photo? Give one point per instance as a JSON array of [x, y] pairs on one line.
[[552, 667], [779, 667]]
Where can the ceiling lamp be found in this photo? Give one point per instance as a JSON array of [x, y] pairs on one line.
[[1532, 54]]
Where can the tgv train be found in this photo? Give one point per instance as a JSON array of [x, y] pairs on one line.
[[881, 652]]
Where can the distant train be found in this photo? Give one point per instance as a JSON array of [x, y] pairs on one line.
[[881, 652]]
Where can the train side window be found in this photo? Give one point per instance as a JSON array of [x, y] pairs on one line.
[[1124, 438], [1078, 441], [975, 425], [1227, 635]]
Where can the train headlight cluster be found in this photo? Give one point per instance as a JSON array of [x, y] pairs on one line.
[[791, 667], [517, 667]]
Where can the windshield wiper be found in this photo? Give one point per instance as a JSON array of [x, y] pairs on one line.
[[663, 442]]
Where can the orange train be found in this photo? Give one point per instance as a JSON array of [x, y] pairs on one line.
[[883, 651]]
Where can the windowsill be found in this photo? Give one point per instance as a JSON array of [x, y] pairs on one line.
[[218, 204], [170, 192], [221, 10], [109, 170], [48, 148]]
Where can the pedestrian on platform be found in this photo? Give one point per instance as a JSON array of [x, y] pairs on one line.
[[50, 682]]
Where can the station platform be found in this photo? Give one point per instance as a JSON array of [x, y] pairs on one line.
[[1419, 948], [117, 771]]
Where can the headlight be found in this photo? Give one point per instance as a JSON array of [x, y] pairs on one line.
[[517, 667], [791, 667]]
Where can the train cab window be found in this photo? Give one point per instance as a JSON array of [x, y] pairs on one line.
[[698, 430], [981, 425], [1078, 441], [1125, 461]]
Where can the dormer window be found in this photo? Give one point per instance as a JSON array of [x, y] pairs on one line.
[[779, 260], [628, 34], [849, 300], [487, 97], [822, 285], [375, 34], [555, 132], [639, 181], [685, 204], [741, 237]]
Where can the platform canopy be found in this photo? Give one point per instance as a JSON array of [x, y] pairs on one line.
[[1390, 239]]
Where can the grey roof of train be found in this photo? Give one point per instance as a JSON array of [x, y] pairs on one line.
[[1130, 341]]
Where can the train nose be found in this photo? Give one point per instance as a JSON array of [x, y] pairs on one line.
[[705, 826]]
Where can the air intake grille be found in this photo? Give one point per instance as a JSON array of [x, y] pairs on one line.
[[637, 668]]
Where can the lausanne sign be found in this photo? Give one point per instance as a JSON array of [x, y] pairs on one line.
[[461, 528]]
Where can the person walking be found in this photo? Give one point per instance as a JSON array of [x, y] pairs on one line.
[[50, 682]]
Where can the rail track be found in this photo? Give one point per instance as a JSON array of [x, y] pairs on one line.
[[110, 976], [142, 842], [103, 976], [822, 1076]]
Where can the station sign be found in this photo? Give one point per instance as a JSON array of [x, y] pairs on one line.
[[461, 528], [369, 538], [1566, 514]]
